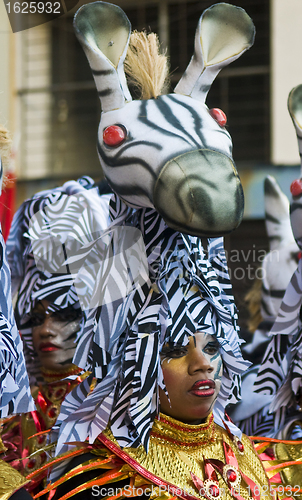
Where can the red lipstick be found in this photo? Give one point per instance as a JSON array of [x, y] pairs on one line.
[[48, 347], [203, 388]]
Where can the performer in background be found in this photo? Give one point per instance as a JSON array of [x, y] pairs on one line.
[[49, 315]]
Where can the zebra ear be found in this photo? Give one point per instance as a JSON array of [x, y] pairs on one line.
[[277, 219], [104, 30], [295, 110], [294, 104], [223, 33]]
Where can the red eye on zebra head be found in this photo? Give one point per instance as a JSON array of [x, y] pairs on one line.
[[114, 135], [296, 187], [219, 116]]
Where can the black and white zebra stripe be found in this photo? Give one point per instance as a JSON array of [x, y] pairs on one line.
[[173, 149], [280, 371], [186, 292]]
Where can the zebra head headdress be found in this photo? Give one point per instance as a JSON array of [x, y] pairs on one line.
[[170, 165], [283, 250], [251, 414], [281, 370], [169, 153]]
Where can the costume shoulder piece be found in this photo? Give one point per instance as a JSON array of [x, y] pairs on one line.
[[10, 481], [190, 462]]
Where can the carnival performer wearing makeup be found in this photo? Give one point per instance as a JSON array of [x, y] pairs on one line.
[[189, 456], [49, 317]]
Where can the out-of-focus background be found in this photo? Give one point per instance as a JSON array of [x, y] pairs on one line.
[[49, 103]]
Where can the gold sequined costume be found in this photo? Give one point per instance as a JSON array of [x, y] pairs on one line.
[[22, 435], [183, 461], [10, 481], [282, 460]]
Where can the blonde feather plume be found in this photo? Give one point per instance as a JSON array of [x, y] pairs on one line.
[[253, 300], [145, 66]]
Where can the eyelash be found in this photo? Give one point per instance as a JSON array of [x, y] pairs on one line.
[[65, 316], [213, 348], [175, 352]]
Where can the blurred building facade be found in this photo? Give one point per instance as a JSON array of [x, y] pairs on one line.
[[49, 101]]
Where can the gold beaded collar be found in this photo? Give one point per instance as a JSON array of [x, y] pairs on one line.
[[177, 452], [57, 375], [177, 433]]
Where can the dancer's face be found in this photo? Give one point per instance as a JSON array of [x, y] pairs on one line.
[[192, 376], [54, 336]]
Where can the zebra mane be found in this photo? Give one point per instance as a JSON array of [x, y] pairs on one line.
[[146, 68]]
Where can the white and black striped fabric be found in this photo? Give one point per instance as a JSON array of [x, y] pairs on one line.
[[280, 372], [15, 394], [36, 249], [252, 414], [187, 291]]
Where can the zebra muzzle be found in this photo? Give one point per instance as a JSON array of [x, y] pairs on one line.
[[200, 193]]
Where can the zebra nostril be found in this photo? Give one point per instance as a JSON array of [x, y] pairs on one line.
[[219, 116], [296, 187], [114, 135]]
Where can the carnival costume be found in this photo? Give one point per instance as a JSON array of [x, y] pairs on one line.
[[49, 387], [279, 374], [179, 464], [14, 388], [280, 371], [159, 154], [252, 413]]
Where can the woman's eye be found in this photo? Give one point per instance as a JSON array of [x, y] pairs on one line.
[[175, 352], [211, 349], [37, 319], [66, 316]]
